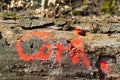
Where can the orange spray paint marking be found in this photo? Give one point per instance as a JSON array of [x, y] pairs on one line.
[[76, 43], [74, 53], [47, 55], [60, 48], [19, 49], [104, 66], [78, 31], [22, 54]]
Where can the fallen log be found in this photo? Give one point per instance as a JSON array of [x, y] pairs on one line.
[[96, 50]]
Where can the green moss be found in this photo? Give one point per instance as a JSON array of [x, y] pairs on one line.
[[10, 15], [75, 12], [108, 6]]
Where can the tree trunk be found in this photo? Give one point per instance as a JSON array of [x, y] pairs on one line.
[[43, 3]]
